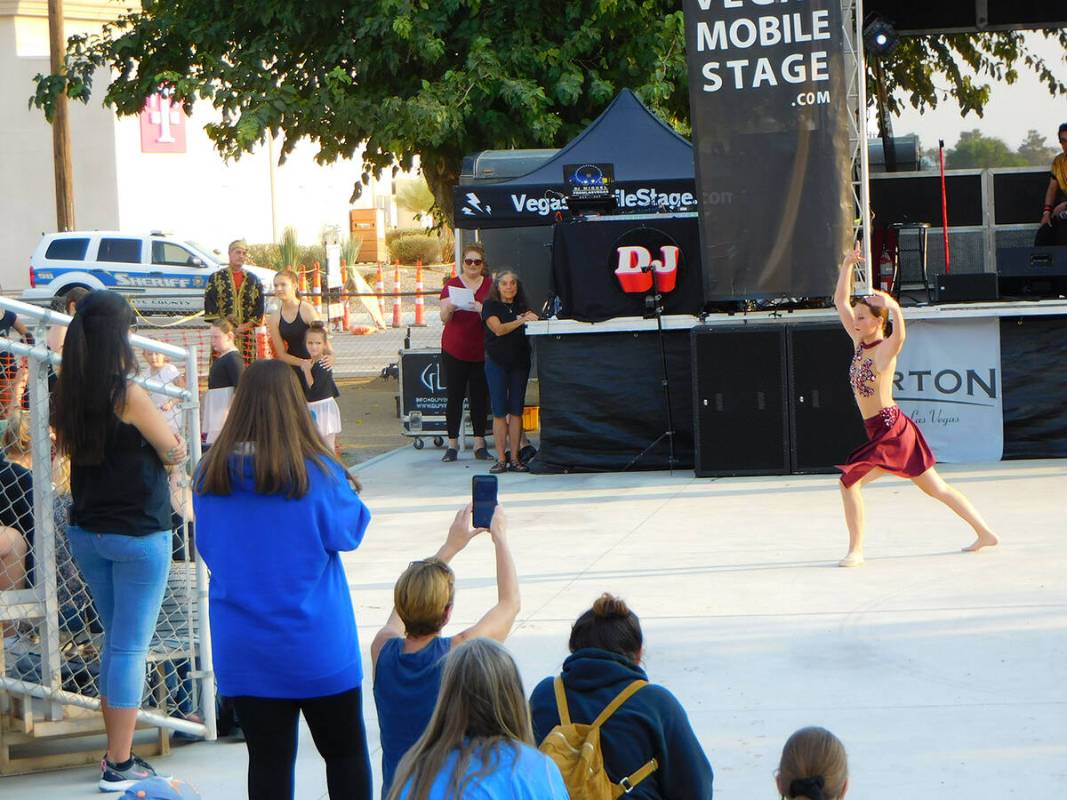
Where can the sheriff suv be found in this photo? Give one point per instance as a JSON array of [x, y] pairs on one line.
[[158, 272]]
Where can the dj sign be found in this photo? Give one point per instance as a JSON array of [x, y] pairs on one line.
[[646, 257]]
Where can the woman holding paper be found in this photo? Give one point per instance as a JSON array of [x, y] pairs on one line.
[[463, 349]]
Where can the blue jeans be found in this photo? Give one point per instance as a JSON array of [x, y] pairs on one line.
[[127, 576], [507, 387]]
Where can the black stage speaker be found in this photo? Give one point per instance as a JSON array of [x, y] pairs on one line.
[[739, 415], [966, 287], [825, 422], [1032, 271]]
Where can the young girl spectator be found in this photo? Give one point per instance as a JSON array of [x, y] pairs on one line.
[[606, 649], [16, 511], [463, 352], [274, 511], [407, 655], [160, 370], [319, 388], [118, 443], [507, 365], [479, 742], [289, 323], [222, 378], [814, 766]]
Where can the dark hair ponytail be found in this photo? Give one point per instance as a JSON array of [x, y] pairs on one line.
[[608, 625], [97, 363]]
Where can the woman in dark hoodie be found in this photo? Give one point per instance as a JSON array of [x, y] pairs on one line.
[[606, 647]]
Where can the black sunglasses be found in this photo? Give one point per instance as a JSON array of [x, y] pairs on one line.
[[472, 262]]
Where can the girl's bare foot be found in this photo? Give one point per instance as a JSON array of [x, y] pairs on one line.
[[851, 560], [987, 539]]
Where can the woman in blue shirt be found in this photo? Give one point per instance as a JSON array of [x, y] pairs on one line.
[[274, 511], [479, 743]]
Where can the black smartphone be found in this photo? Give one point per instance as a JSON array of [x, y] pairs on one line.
[[483, 497]]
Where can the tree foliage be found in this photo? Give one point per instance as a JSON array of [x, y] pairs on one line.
[[975, 151], [925, 71], [401, 77], [444, 78]]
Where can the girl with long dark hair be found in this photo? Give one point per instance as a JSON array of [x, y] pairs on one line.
[[895, 443], [118, 443], [507, 365], [274, 511]]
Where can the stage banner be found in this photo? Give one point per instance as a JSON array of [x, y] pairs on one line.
[[948, 381], [768, 106]]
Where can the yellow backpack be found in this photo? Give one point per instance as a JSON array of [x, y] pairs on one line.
[[575, 749]]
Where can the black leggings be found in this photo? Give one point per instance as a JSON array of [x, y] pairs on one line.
[[271, 728], [458, 376], [1052, 235]]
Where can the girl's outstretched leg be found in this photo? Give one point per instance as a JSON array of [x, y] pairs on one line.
[[852, 499], [934, 485]]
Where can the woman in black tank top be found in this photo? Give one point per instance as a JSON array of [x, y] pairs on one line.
[[289, 323], [119, 444]]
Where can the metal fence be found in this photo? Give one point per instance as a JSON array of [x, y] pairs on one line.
[[52, 632]]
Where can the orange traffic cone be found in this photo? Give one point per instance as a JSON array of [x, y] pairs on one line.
[[420, 321], [396, 295]]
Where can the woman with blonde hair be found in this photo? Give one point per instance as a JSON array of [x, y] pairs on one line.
[[814, 766], [407, 654], [479, 743], [463, 351], [274, 511]]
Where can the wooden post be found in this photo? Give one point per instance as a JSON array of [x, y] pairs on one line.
[[60, 123]]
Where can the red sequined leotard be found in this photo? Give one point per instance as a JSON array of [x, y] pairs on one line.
[[861, 373]]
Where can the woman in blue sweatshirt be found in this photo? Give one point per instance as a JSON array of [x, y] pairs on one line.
[[274, 511], [606, 647]]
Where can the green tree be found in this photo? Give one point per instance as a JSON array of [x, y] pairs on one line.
[[1035, 152], [415, 196], [925, 71], [435, 79], [975, 151], [445, 78]]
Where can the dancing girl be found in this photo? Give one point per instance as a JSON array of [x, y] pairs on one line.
[[895, 444]]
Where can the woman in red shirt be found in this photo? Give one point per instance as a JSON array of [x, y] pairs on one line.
[[463, 352]]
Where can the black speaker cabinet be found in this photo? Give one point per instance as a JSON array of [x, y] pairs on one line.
[[1032, 271], [740, 416], [966, 287], [825, 424]]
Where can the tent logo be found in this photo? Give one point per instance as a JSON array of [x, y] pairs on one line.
[[647, 257], [474, 207]]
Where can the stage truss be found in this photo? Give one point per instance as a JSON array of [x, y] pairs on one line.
[[859, 167]]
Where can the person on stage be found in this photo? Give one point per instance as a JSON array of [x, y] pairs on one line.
[[1053, 230], [895, 444]]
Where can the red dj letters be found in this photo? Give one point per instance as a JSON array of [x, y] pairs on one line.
[[637, 269]]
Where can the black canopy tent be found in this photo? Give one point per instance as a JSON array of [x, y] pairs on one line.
[[653, 167]]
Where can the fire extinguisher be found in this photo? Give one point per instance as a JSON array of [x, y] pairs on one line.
[[885, 271]]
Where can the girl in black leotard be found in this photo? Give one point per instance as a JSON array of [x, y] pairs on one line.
[[289, 323], [222, 378], [318, 385]]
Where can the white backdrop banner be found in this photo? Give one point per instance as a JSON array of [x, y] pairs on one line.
[[948, 381]]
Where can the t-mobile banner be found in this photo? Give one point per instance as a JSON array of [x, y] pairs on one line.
[[767, 96], [948, 381]]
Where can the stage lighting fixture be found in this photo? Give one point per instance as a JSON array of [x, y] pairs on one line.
[[880, 37]]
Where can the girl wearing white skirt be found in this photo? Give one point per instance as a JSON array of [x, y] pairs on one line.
[[319, 388], [222, 378]]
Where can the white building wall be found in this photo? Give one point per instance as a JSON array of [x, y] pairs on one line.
[[116, 186], [27, 181]]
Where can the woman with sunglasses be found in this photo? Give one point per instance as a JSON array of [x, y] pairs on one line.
[[463, 352]]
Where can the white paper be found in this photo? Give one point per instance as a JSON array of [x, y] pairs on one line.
[[461, 297]]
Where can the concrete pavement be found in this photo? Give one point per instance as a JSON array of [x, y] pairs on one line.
[[945, 674]]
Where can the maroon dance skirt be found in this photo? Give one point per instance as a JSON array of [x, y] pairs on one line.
[[894, 444]]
